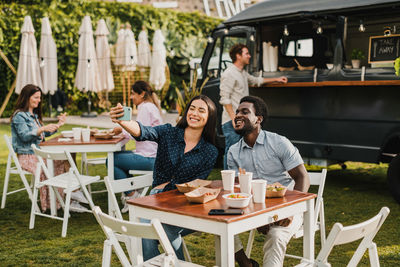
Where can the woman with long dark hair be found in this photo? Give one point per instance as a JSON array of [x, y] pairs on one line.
[[185, 153], [27, 128], [145, 154]]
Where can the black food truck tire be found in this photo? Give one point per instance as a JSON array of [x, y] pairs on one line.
[[393, 177]]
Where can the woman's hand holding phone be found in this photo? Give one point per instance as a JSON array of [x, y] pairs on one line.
[[130, 126], [121, 113], [116, 112]]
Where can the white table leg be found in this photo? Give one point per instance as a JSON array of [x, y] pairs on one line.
[[217, 241], [53, 204], [227, 250], [110, 174], [309, 231]]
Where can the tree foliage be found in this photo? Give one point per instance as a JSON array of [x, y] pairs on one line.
[[185, 35]]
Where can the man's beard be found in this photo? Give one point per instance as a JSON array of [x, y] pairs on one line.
[[246, 129]]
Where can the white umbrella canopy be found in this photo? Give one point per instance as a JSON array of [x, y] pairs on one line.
[[103, 56], [48, 58], [119, 47], [158, 62], [130, 50], [144, 54], [87, 75], [28, 63]]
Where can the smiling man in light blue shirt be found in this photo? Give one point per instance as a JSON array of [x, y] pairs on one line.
[[272, 157]]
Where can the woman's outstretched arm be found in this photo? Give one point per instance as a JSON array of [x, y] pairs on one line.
[[131, 127]]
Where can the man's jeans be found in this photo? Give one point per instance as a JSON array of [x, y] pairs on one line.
[[174, 234], [231, 138]]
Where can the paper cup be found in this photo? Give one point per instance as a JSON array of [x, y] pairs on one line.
[[245, 182], [228, 179], [77, 133], [259, 187], [86, 135]]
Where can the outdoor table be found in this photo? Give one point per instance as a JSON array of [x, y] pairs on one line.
[[173, 208], [78, 146]]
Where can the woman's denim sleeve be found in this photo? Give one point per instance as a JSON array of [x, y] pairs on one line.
[[25, 132]]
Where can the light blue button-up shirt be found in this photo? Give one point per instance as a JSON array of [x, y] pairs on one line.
[[270, 158]]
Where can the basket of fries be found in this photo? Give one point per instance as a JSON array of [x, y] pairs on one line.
[[190, 186], [202, 195], [275, 190]]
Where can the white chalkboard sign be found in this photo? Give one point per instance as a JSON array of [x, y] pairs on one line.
[[384, 48]]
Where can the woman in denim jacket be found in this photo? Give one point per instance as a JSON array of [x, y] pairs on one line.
[[27, 128]]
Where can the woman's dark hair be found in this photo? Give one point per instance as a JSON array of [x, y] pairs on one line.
[[260, 107], [209, 129], [142, 86], [23, 101]]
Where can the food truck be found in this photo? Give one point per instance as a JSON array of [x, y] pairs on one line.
[[342, 99]]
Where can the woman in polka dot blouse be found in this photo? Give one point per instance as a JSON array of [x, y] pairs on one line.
[[185, 152]]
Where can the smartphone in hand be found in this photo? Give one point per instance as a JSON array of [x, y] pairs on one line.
[[225, 212], [127, 114]]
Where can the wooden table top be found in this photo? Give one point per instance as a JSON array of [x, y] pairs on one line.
[[176, 202], [93, 141]]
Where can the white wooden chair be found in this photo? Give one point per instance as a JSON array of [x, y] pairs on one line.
[[316, 178], [143, 180], [346, 234], [14, 167], [69, 181], [154, 230]]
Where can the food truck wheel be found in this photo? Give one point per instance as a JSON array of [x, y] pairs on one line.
[[393, 177]]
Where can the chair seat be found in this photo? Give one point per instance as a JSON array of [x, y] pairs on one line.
[[158, 260], [68, 180]]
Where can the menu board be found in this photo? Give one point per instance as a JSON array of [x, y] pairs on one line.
[[384, 48]]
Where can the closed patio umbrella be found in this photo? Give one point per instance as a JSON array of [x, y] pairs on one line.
[[103, 58], [48, 58], [119, 47], [158, 62], [130, 58], [28, 63], [144, 53], [130, 50], [87, 77]]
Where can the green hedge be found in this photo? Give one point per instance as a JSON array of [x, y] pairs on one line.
[[185, 35]]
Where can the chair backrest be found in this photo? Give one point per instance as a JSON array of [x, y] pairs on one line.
[[341, 235], [122, 185], [318, 178], [42, 154], [64, 155], [9, 144], [112, 226], [11, 154]]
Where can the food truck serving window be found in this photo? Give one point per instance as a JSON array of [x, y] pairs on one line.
[[297, 47]]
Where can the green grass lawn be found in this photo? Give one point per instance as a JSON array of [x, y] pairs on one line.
[[351, 196]]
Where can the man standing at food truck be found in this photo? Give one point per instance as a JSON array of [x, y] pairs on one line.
[[271, 157], [235, 85]]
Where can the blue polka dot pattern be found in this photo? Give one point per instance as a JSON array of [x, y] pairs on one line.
[[172, 164]]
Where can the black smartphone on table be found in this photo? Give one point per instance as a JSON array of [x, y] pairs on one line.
[[225, 212]]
